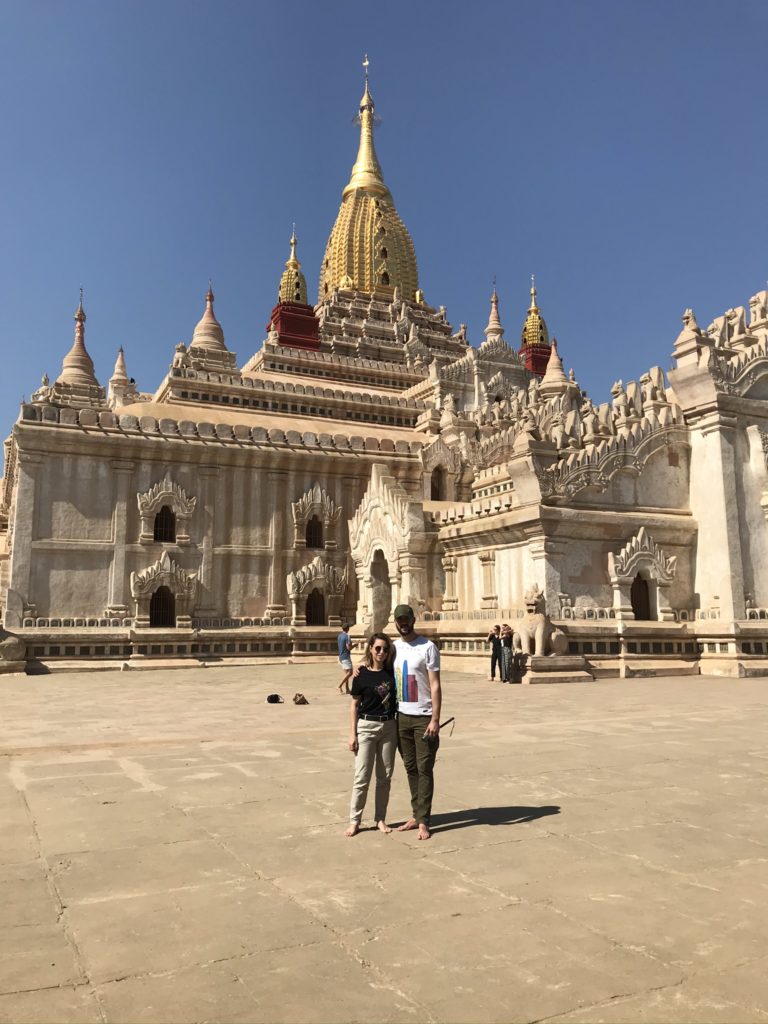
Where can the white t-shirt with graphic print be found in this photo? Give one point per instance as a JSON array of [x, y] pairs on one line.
[[413, 662]]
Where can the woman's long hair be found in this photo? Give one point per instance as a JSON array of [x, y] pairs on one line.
[[368, 656]]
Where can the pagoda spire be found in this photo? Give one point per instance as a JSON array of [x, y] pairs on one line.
[[554, 381], [209, 333], [293, 285], [366, 171], [121, 389], [120, 373], [77, 365], [494, 328]]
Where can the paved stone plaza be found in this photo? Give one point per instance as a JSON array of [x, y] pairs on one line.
[[171, 851]]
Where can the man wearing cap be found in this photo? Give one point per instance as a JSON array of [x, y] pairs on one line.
[[417, 674]]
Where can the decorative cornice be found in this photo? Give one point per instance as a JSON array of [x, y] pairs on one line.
[[596, 466]]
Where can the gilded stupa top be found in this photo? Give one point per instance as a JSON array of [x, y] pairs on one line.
[[366, 170], [535, 328], [293, 286], [369, 249]]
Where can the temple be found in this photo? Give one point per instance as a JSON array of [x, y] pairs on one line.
[[366, 453]]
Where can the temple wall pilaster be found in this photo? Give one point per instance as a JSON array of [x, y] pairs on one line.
[[25, 509], [117, 605]]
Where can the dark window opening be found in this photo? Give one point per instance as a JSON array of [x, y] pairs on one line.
[[165, 526], [162, 609], [316, 609], [640, 597], [314, 533], [437, 484]]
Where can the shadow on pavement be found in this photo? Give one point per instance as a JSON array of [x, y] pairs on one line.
[[489, 816]]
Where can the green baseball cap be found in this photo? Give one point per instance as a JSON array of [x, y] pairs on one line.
[[403, 611]]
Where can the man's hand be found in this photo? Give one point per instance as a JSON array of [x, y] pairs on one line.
[[433, 729], [353, 744]]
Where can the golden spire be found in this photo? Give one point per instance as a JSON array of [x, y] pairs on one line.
[[535, 328], [366, 172], [293, 286], [208, 333], [369, 248], [77, 366]]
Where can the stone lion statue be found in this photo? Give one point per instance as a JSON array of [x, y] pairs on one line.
[[12, 649], [535, 634]]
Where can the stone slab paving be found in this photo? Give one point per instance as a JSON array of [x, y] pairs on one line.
[[171, 851]]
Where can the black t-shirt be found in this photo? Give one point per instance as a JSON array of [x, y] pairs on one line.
[[494, 639], [376, 690]]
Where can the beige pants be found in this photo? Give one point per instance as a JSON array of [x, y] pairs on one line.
[[376, 745]]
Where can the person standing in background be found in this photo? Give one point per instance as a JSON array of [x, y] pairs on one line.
[[506, 653], [344, 642], [494, 639]]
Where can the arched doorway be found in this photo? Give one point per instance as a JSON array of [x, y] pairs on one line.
[[316, 608], [437, 489], [162, 609], [381, 591], [640, 596]]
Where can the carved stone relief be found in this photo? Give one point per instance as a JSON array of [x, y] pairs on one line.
[[175, 497]]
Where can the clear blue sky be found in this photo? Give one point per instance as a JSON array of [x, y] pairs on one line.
[[618, 150]]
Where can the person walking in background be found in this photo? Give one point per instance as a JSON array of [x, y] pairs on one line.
[[494, 639], [419, 696], [344, 642], [506, 653], [373, 731]]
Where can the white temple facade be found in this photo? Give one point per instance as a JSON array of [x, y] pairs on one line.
[[368, 454]]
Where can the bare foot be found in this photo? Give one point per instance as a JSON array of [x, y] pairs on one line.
[[424, 832], [382, 826], [352, 830], [409, 826]]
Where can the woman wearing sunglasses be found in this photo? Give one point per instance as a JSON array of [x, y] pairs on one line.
[[373, 730]]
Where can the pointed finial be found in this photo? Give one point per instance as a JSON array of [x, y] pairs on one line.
[[533, 306], [494, 328], [80, 312], [366, 171]]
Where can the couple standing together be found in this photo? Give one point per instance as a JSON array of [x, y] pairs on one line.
[[396, 700]]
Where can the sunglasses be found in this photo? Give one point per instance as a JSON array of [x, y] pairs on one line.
[[380, 649]]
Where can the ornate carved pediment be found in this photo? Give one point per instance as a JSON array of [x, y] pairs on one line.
[[387, 518], [164, 573], [166, 492], [641, 551], [315, 502], [598, 465], [318, 573], [737, 376], [438, 453]]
